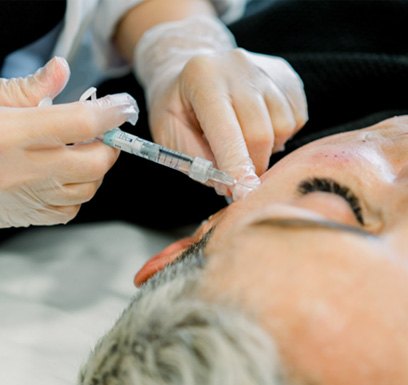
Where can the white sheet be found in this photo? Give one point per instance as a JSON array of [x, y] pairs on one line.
[[60, 289]]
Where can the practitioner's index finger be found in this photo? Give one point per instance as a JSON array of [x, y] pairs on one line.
[[81, 121], [223, 132], [222, 128]]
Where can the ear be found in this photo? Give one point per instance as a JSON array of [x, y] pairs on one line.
[[162, 259]]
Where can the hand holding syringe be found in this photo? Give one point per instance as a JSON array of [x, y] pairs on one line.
[[199, 169]]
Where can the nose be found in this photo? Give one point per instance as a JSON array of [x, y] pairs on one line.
[[397, 240], [394, 143]]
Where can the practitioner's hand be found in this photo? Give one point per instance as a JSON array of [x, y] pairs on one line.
[[234, 107], [49, 162], [228, 105]]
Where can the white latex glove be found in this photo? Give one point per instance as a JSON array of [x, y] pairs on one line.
[[210, 99], [49, 164]]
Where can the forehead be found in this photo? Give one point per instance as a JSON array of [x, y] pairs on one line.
[[280, 180], [392, 128], [378, 153]]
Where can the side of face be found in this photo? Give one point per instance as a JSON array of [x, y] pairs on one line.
[[318, 254]]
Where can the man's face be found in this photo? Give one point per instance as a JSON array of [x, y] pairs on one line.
[[319, 255]]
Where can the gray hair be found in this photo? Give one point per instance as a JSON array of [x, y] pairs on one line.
[[169, 335]]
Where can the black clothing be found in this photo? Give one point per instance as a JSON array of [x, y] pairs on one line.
[[351, 55], [39, 16], [353, 59]]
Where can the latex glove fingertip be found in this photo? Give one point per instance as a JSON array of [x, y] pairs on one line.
[[244, 186], [47, 101], [220, 189], [133, 115], [133, 109]]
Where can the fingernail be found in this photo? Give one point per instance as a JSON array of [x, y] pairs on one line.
[[245, 185], [280, 148], [47, 101], [220, 189], [62, 61], [43, 71]]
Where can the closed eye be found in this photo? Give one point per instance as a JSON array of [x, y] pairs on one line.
[[331, 186]]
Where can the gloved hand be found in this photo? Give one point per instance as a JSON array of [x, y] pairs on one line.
[[210, 99], [49, 164]]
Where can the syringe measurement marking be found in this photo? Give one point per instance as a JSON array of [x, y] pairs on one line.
[[162, 155], [126, 137], [170, 159]]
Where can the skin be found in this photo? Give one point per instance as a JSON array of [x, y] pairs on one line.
[[331, 290], [200, 106]]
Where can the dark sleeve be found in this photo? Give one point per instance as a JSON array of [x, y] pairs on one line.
[[23, 22], [351, 56]]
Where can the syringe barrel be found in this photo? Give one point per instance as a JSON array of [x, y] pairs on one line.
[[148, 150], [196, 168], [175, 160], [123, 141]]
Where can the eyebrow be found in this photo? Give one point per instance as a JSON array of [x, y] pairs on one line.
[[306, 224]]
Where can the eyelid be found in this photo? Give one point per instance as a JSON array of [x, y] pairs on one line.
[[331, 186]]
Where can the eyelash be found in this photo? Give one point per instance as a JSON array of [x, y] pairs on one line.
[[331, 186]]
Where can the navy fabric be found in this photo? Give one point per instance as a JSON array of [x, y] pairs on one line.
[[23, 22]]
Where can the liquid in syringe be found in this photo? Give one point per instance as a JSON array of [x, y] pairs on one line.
[[196, 168]]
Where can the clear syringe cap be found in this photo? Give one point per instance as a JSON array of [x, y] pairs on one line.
[[202, 170]]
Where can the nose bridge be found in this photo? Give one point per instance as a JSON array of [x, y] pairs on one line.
[[395, 156], [391, 138], [399, 153], [396, 143], [396, 202], [397, 239], [400, 157], [402, 176]]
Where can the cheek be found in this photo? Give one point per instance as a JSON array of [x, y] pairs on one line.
[[345, 326]]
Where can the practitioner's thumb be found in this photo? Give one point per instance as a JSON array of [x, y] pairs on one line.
[[47, 82]]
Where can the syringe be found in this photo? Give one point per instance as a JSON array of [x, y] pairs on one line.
[[196, 168]]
